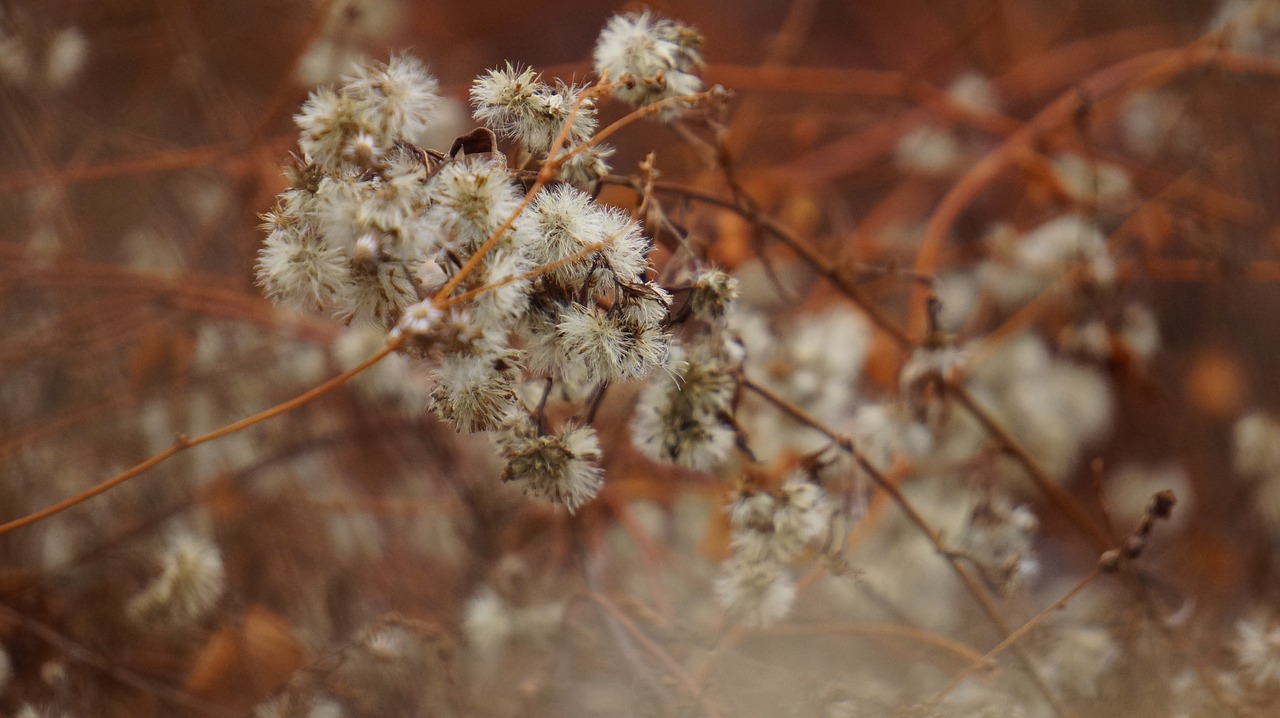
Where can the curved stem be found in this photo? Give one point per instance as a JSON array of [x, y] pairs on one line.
[[1151, 68], [980, 596], [182, 443]]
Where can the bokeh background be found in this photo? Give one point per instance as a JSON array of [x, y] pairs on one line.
[[140, 141]]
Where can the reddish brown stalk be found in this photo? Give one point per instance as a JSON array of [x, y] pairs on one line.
[[182, 443], [1145, 70], [974, 588]]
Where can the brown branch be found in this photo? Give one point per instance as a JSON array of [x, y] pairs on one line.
[[182, 443], [1151, 68], [113, 669], [1008, 642], [980, 596], [1057, 497], [832, 272]]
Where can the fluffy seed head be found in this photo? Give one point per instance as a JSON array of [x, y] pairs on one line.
[[296, 267], [756, 593], [190, 582], [470, 199], [515, 103], [682, 414], [393, 100], [562, 468], [654, 57], [474, 393]]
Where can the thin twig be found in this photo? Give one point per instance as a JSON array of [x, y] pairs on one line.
[[980, 596], [182, 443], [677, 671], [113, 668], [1058, 498], [1012, 638], [832, 272]]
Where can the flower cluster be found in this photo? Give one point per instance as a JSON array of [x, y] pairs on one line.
[[769, 529], [349, 236], [515, 103], [499, 292]]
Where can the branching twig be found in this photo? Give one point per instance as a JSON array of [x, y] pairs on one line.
[[975, 589], [113, 669], [182, 443]]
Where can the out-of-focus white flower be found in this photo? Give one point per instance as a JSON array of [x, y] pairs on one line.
[[191, 580], [756, 593], [1257, 445], [1091, 182], [927, 150], [1257, 647], [1022, 268]]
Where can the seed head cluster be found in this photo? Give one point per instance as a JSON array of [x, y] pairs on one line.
[[498, 294]]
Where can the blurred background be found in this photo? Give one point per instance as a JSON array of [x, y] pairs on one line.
[[140, 141]]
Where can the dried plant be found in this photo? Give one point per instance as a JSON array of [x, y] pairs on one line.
[[602, 389]]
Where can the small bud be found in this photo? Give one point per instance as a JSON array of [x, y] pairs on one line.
[[1162, 504], [1110, 561]]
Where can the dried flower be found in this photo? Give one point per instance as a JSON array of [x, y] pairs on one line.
[[683, 415], [190, 582], [296, 267], [756, 593], [470, 199], [562, 468], [712, 293], [376, 106], [475, 393], [515, 103], [654, 58]]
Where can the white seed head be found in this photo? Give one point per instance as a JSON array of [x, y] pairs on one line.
[[567, 222], [712, 293], [586, 168], [506, 289], [515, 103], [682, 415], [474, 393], [803, 514], [394, 100], [563, 469], [756, 593], [297, 268], [654, 57], [470, 200], [618, 344], [191, 580], [377, 106], [377, 293]]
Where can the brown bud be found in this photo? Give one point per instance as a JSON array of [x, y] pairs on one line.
[[1109, 561], [1162, 504]]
